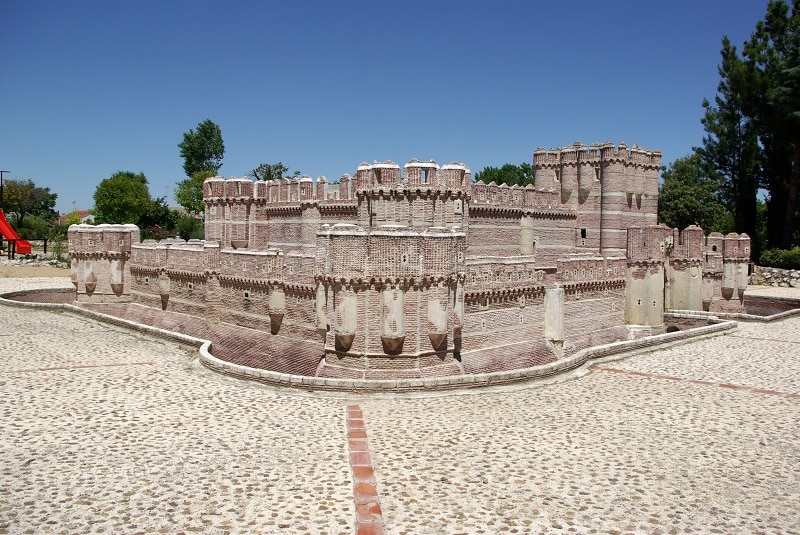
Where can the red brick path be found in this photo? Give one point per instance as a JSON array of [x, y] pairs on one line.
[[369, 519], [698, 382]]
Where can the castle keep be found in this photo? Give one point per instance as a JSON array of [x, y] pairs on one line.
[[419, 271]]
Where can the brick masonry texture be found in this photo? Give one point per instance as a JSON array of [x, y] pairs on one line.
[[419, 273]]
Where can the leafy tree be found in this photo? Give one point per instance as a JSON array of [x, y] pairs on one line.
[[510, 174], [23, 197], [268, 171], [72, 219], [189, 192], [687, 197], [188, 227], [773, 53], [122, 198], [202, 150], [730, 147], [159, 221]]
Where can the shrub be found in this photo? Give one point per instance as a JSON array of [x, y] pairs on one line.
[[188, 227], [780, 258]]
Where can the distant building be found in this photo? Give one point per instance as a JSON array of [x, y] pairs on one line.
[[84, 215]]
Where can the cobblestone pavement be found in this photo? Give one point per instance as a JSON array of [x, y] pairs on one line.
[[106, 431]]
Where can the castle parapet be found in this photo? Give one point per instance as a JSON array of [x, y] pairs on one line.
[[419, 173]]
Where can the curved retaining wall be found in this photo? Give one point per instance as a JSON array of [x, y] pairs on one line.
[[400, 385]]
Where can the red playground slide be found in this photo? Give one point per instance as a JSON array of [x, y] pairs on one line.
[[22, 246]]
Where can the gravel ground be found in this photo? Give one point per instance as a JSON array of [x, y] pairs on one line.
[[106, 431]]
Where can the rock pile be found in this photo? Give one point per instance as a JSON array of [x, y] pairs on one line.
[[767, 276], [36, 260]]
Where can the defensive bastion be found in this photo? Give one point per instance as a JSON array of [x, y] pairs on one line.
[[419, 272]]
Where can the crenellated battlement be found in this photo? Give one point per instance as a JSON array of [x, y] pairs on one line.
[[377, 176], [596, 154], [515, 196]]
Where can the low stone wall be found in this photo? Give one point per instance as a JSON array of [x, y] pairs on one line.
[[768, 276]]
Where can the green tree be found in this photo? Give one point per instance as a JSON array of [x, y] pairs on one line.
[[687, 197], [202, 150], [269, 171], [773, 55], [122, 198], [509, 174], [189, 192], [188, 227], [159, 221], [23, 197], [730, 147]]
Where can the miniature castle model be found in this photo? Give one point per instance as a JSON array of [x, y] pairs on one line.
[[420, 272]]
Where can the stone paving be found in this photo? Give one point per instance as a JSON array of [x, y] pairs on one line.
[[106, 431]]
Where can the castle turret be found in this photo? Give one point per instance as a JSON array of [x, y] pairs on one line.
[[629, 193], [683, 290], [99, 258], [648, 249], [214, 211], [421, 173]]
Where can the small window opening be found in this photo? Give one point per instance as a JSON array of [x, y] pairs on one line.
[[583, 233]]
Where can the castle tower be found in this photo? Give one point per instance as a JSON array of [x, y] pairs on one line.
[[683, 289], [214, 211], [376, 287], [629, 194], [647, 249], [238, 198], [99, 261]]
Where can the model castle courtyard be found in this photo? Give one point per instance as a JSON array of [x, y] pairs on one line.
[[419, 271]]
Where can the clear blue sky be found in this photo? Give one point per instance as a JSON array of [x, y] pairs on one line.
[[91, 87]]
